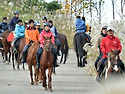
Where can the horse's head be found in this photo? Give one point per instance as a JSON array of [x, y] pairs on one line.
[[113, 58], [48, 43]]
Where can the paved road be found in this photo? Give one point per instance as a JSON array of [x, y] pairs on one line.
[[69, 79]]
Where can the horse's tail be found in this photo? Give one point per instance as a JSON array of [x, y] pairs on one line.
[[66, 47]]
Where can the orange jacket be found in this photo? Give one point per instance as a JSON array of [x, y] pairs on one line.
[[32, 34]]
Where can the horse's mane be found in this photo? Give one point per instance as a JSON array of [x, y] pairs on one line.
[[35, 43], [5, 32]]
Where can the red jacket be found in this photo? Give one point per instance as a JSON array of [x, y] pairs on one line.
[[46, 34], [110, 43]]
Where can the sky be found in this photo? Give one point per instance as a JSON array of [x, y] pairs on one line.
[[107, 13]]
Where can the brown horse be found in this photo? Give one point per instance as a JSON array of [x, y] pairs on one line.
[[22, 44], [113, 64], [31, 60], [6, 45], [64, 47], [46, 62]]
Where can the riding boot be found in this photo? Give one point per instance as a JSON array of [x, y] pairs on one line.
[[24, 57], [38, 55], [98, 78], [54, 53]]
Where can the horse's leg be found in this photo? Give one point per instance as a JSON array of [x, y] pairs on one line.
[[61, 57], [18, 59], [65, 56], [35, 76], [44, 79], [13, 61], [50, 79], [40, 78], [31, 74], [77, 59], [9, 55], [6, 59], [2, 52], [81, 61]]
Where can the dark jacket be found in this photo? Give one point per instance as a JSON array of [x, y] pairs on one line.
[[40, 29], [13, 23], [3, 27]]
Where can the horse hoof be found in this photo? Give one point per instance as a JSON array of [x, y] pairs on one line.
[[32, 83], [35, 83], [40, 81], [7, 62], [50, 90], [45, 88]]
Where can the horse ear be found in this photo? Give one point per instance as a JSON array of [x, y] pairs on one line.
[[50, 36], [111, 50]]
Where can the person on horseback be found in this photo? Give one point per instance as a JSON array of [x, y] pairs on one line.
[[3, 27], [44, 19], [110, 42], [81, 27], [19, 33], [87, 30], [103, 34], [37, 25], [46, 33], [13, 21], [31, 34], [87, 26], [54, 31]]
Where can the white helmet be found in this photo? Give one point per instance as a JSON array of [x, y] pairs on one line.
[[37, 23]]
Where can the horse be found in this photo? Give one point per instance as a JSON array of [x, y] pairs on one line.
[[31, 60], [64, 47], [21, 45], [46, 62], [79, 41], [6, 45], [112, 66]]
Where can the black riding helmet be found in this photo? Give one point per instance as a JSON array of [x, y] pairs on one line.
[[19, 20], [31, 21], [44, 18]]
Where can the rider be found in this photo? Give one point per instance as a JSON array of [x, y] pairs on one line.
[[45, 33], [13, 21], [19, 32], [31, 34], [54, 31], [44, 20], [103, 34], [110, 42], [87, 30], [3, 27], [87, 26], [37, 25]]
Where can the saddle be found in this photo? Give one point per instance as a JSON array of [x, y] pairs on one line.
[[10, 37]]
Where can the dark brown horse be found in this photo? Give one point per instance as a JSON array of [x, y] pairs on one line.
[[64, 47], [46, 62], [31, 60], [79, 42], [6, 45], [21, 45], [113, 66]]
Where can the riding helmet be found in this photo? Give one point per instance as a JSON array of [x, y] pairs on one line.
[[46, 24], [44, 18], [17, 12], [36, 23]]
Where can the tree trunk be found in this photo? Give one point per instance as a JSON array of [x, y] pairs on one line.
[[113, 9], [100, 12]]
